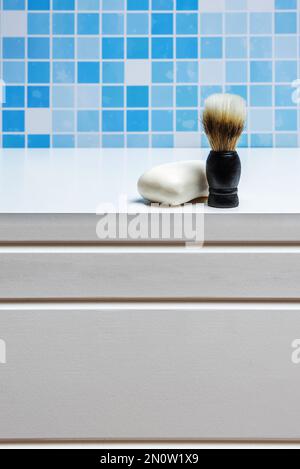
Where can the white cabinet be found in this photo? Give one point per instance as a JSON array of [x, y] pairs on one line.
[[130, 340], [145, 273], [150, 372]]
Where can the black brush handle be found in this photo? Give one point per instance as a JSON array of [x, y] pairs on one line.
[[223, 171]]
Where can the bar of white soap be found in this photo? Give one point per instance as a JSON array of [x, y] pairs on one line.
[[174, 183]]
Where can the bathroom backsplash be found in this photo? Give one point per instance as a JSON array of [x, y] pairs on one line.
[[135, 73]]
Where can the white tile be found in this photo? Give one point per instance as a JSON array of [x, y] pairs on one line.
[[187, 140], [88, 97], [211, 72], [260, 120], [261, 5], [212, 5], [38, 121], [14, 23], [138, 72]]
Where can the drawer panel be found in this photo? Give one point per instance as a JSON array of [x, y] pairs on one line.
[[149, 273], [150, 372]]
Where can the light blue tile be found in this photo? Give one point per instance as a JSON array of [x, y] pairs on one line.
[[63, 48], [236, 5], [13, 48], [261, 47], [87, 5], [286, 47], [187, 48], [186, 96], [187, 121], [286, 141], [138, 141], [63, 96], [284, 96], [63, 23], [243, 141], [63, 72], [187, 24], [38, 96], [206, 91], [261, 71], [162, 72], [285, 23], [88, 97], [38, 48], [240, 90], [113, 121], [286, 4], [112, 96], [211, 23], [261, 95], [261, 140], [113, 5], [236, 47], [63, 121], [88, 140], [38, 23], [64, 5], [286, 120], [88, 24], [162, 121], [14, 72], [63, 141], [236, 72], [88, 121], [88, 48], [162, 5], [211, 48], [236, 23], [261, 23], [162, 141], [285, 71], [14, 4], [113, 141], [162, 96], [187, 72], [113, 72], [137, 24], [261, 120]]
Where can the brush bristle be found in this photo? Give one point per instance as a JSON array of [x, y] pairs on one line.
[[224, 119]]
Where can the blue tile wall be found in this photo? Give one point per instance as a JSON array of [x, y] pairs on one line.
[[136, 73]]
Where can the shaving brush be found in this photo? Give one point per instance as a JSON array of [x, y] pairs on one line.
[[224, 119]]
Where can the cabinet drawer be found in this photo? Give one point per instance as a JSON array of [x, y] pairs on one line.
[[149, 273], [149, 372]]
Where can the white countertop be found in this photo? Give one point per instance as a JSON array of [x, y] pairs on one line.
[[53, 195], [77, 181]]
